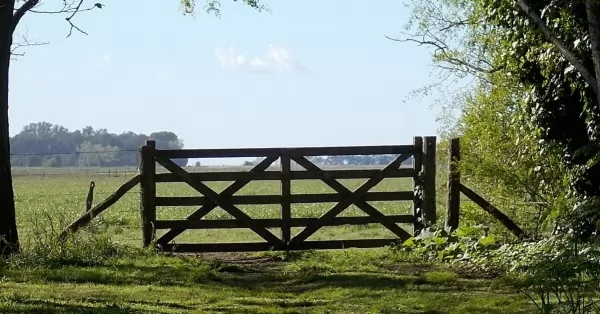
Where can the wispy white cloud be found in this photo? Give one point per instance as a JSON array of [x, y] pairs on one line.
[[106, 62], [228, 58], [162, 76], [256, 62], [276, 59]]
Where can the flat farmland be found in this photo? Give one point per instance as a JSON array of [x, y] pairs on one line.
[[57, 196], [105, 270]]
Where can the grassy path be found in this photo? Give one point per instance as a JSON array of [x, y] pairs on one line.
[[352, 281]]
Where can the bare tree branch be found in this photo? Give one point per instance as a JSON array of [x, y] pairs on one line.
[[76, 10], [69, 7], [68, 19], [443, 30], [442, 52], [23, 43], [20, 12]]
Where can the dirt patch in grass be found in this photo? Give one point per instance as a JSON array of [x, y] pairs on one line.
[[241, 262]]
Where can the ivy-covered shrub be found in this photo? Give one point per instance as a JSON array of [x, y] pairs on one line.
[[438, 244], [583, 220], [466, 246], [558, 274]]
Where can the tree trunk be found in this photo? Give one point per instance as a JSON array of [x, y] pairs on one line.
[[9, 239]]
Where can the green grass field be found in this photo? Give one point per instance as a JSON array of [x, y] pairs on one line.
[[63, 198], [130, 280]]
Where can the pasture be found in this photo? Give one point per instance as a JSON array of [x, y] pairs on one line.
[[61, 196], [105, 270]]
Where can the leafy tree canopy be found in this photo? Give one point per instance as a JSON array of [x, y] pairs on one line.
[[500, 43], [559, 101]]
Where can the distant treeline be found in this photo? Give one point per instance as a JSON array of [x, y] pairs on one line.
[[352, 160], [43, 144], [363, 160]]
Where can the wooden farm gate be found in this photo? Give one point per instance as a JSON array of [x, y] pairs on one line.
[[423, 195]]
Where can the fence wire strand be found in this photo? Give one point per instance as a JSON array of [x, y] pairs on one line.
[[76, 153]]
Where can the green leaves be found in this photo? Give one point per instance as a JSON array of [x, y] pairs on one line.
[[214, 6], [536, 83], [487, 241], [502, 156], [558, 274], [188, 6], [461, 245]]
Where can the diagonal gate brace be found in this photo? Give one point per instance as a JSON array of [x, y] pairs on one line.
[[351, 198], [363, 205], [227, 192]]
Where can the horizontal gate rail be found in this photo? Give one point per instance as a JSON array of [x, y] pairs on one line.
[[278, 223], [264, 246], [276, 199], [295, 175], [292, 152]]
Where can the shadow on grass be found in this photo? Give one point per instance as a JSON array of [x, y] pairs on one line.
[[275, 290], [254, 276], [224, 275], [156, 303], [289, 282], [295, 284], [118, 275], [44, 306]]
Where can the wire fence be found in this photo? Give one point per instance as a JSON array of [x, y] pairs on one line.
[[108, 163], [75, 153], [83, 195], [121, 162], [50, 172], [110, 174], [32, 185]]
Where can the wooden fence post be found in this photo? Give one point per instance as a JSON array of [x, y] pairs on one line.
[[286, 194], [148, 191], [90, 197], [429, 169], [417, 165], [453, 201]]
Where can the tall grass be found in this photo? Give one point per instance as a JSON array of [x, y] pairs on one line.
[[41, 247]]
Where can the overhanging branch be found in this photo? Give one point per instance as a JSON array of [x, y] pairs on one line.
[[441, 49], [575, 62], [68, 19]]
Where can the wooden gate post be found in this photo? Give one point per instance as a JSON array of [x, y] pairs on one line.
[[148, 191], [429, 169], [417, 165], [453, 201], [286, 194]]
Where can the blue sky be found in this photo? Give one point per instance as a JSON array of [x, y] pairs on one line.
[[309, 73]]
